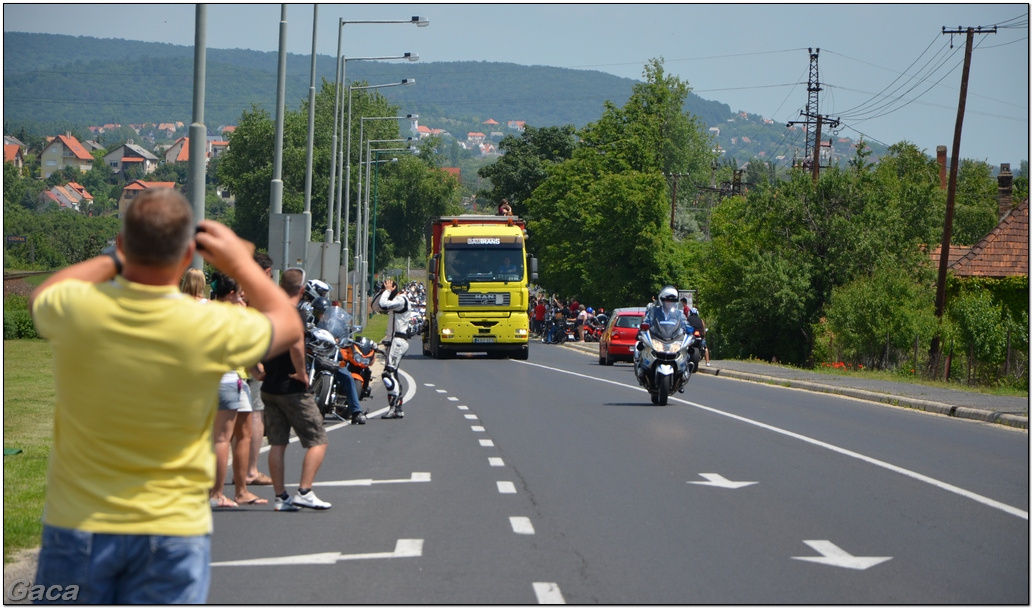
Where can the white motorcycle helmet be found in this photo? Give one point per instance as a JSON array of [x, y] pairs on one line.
[[668, 298], [315, 288]]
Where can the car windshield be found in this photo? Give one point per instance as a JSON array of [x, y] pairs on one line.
[[465, 264], [666, 327]]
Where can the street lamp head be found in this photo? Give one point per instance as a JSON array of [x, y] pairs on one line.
[[412, 117], [412, 56], [421, 21], [408, 81]]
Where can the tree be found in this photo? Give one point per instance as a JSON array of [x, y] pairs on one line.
[[599, 220], [975, 207], [526, 161], [408, 194]]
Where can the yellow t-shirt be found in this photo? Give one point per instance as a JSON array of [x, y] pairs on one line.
[[137, 369]]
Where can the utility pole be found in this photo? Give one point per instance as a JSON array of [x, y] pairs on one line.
[[814, 119], [674, 193], [952, 186]]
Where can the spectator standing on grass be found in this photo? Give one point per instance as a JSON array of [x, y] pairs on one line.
[[289, 405], [254, 382], [137, 366]]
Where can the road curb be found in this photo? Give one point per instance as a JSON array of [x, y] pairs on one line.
[[961, 412]]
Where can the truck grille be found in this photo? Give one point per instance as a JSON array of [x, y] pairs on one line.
[[469, 299]]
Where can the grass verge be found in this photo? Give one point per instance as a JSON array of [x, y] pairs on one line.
[[28, 424]]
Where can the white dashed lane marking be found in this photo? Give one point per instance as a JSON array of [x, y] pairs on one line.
[[496, 462], [548, 593], [486, 443], [521, 525], [506, 487]]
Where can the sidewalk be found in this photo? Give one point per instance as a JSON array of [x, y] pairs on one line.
[[1004, 410]]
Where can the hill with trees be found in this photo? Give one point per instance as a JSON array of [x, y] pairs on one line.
[[54, 83]]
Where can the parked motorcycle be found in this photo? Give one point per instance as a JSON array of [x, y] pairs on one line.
[[358, 357], [666, 354], [325, 345]]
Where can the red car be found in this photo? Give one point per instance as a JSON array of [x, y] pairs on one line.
[[619, 336]]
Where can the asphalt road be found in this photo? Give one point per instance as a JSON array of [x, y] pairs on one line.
[[556, 480]]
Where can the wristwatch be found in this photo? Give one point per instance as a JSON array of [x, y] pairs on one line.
[[112, 252]]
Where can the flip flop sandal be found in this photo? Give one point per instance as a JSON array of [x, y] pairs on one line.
[[256, 501]]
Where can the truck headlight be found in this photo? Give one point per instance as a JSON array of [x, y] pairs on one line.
[[447, 333], [521, 333]]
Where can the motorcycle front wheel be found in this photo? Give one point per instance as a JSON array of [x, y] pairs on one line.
[[663, 389], [321, 389]]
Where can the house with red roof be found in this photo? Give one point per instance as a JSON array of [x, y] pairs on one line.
[[136, 187], [14, 155], [71, 196], [64, 151]]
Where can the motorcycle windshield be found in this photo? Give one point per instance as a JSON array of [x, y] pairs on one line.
[[665, 327], [336, 321]]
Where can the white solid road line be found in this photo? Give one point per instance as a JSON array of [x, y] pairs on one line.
[[1014, 511]]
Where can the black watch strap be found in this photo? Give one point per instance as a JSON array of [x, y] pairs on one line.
[[110, 251]]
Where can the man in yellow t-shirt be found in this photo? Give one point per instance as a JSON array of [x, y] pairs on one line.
[[137, 367]]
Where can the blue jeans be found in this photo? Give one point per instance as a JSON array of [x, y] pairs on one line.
[[345, 380], [125, 569]]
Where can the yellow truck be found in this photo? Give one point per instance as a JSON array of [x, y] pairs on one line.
[[478, 271]]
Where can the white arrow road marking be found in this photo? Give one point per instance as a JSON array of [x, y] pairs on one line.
[[548, 593], [404, 548], [834, 556], [720, 481], [416, 477]]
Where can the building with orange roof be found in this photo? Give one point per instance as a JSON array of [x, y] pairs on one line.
[[71, 196], [64, 151], [136, 187], [131, 155], [14, 155]]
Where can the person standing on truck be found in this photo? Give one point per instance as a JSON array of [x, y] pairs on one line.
[[504, 208], [397, 340]]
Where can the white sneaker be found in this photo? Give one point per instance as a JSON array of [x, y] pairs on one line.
[[284, 505], [309, 500]]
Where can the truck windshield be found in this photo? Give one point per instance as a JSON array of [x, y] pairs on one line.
[[466, 264]]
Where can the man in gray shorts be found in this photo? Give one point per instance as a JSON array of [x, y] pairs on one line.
[[289, 405]]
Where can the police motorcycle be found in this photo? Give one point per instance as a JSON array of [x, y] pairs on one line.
[[666, 353]]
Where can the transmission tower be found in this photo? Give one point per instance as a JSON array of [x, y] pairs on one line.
[[813, 120]]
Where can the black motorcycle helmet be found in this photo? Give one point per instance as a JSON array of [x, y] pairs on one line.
[[320, 305]]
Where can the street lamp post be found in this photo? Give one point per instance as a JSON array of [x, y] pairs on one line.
[[347, 177], [359, 210], [338, 82], [376, 198], [362, 266]]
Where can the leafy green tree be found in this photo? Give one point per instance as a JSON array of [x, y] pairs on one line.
[[876, 319], [525, 164], [975, 204], [408, 194], [978, 330], [599, 222]]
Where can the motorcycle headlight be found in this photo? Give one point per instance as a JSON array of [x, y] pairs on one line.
[[664, 347]]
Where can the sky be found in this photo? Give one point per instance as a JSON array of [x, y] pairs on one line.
[[886, 71]]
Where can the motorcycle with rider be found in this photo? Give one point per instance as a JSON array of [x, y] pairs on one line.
[[667, 351]]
